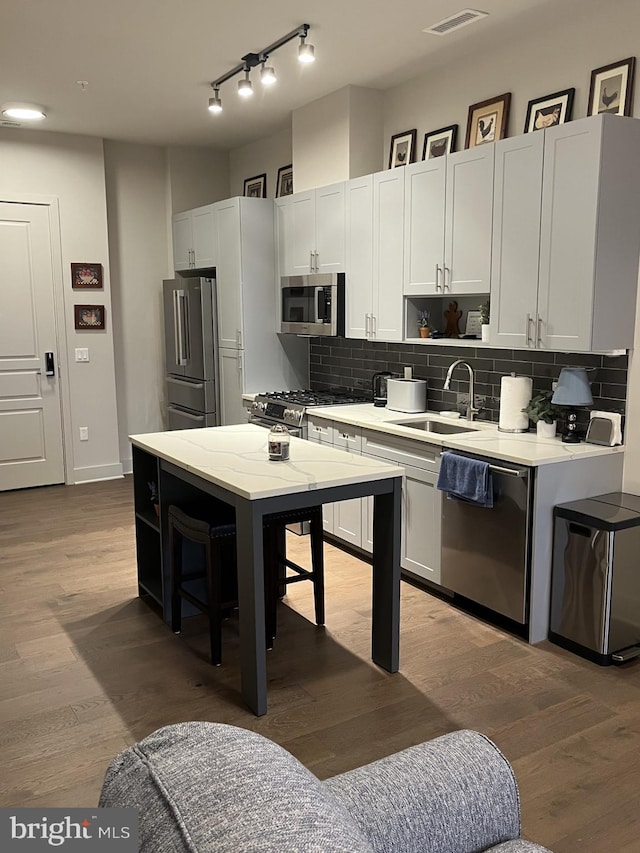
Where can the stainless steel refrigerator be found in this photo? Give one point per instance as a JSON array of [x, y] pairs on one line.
[[191, 352]]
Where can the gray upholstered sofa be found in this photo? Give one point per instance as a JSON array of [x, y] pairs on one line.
[[212, 787]]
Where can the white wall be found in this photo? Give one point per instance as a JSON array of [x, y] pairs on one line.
[[138, 221], [265, 155], [71, 168], [320, 141], [197, 176]]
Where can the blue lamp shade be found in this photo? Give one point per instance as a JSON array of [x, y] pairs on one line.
[[573, 388]]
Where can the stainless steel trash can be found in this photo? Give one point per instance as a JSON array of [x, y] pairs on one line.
[[595, 580]]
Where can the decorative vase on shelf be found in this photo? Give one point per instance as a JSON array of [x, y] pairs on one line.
[[484, 332], [546, 430], [425, 331]]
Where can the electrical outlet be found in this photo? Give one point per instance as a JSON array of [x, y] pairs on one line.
[[82, 354], [84, 433]]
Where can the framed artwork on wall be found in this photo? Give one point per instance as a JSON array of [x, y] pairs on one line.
[[487, 120], [549, 110], [439, 142], [284, 183], [89, 316], [256, 187], [86, 276], [611, 89], [403, 148]]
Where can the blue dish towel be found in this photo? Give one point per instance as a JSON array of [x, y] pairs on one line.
[[466, 479]]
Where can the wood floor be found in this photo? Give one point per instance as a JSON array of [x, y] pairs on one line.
[[87, 668]]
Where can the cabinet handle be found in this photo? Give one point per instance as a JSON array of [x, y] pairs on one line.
[[240, 365], [374, 325], [366, 326], [239, 338], [444, 286], [530, 340], [539, 324], [317, 261], [311, 260], [438, 285]]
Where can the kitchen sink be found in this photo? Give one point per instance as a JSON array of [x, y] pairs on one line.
[[429, 425]]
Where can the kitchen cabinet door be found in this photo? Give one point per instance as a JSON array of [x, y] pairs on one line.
[[229, 275], [516, 240], [330, 228], [205, 237], [359, 278], [195, 239], [231, 382], [421, 524], [424, 209], [388, 255], [182, 240], [468, 221], [590, 235]]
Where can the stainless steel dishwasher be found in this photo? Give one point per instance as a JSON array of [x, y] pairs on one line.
[[486, 553]]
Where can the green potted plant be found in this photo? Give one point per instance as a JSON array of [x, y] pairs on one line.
[[543, 413], [483, 308], [424, 324]]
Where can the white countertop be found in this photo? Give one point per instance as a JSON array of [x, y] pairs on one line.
[[236, 458], [522, 448]]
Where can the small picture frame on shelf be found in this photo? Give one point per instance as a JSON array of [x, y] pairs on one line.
[[86, 276], [256, 187], [611, 88], [474, 324], [284, 183], [403, 148], [487, 120], [549, 110], [439, 142], [89, 317]]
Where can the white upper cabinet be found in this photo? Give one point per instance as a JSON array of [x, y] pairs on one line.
[[375, 246], [425, 184], [590, 235], [448, 220], [229, 288], [310, 228], [566, 237], [516, 240], [195, 239]]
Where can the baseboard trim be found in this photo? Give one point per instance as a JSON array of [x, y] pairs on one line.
[[96, 473]]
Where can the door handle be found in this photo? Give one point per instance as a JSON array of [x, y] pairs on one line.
[[49, 364]]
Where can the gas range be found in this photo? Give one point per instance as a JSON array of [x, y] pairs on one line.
[[289, 407]]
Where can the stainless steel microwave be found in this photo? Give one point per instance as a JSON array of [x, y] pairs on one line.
[[312, 304]]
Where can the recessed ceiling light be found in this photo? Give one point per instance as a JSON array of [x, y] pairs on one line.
[[24, 112]]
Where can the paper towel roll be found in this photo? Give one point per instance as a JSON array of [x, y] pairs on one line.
[[515, 393]]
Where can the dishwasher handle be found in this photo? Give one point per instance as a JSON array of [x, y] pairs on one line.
[[499, 469]]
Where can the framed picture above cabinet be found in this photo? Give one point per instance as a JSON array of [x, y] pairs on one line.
[[403, 148], [549, 110], [487, 120], [611, 88], [439, 142]]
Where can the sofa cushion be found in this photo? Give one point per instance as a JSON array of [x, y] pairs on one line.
[[203, 787]]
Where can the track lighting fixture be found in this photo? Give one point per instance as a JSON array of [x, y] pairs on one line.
[[245, 87], [306, 51], [267, 72], [215, 104]]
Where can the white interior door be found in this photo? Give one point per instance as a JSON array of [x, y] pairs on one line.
[[30, 414]]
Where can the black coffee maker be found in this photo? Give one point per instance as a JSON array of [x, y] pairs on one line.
[[379, 387]]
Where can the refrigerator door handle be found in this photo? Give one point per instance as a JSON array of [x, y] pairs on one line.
[[177, 340], [180, 327]]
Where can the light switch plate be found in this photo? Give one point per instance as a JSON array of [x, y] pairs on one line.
[[82, 354]]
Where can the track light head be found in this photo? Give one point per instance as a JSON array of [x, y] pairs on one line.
[[215, 104], [245, 86], [267, 74], [306, 51]]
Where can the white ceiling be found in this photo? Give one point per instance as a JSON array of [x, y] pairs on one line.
[[148, 63]]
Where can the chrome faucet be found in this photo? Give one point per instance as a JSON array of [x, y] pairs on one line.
[[471, 410]]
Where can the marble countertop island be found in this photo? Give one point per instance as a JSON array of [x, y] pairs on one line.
[[236, 458]]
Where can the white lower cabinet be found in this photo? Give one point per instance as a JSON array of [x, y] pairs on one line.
[[421, 501]]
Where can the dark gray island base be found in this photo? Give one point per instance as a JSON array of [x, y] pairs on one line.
[[190, 465]]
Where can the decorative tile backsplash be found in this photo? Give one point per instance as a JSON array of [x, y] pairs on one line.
[[350, 363]]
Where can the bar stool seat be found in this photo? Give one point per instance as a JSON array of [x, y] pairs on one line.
[[220, 572]]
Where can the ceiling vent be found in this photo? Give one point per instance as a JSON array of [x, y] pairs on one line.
[[454, 22], [6, 123]]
